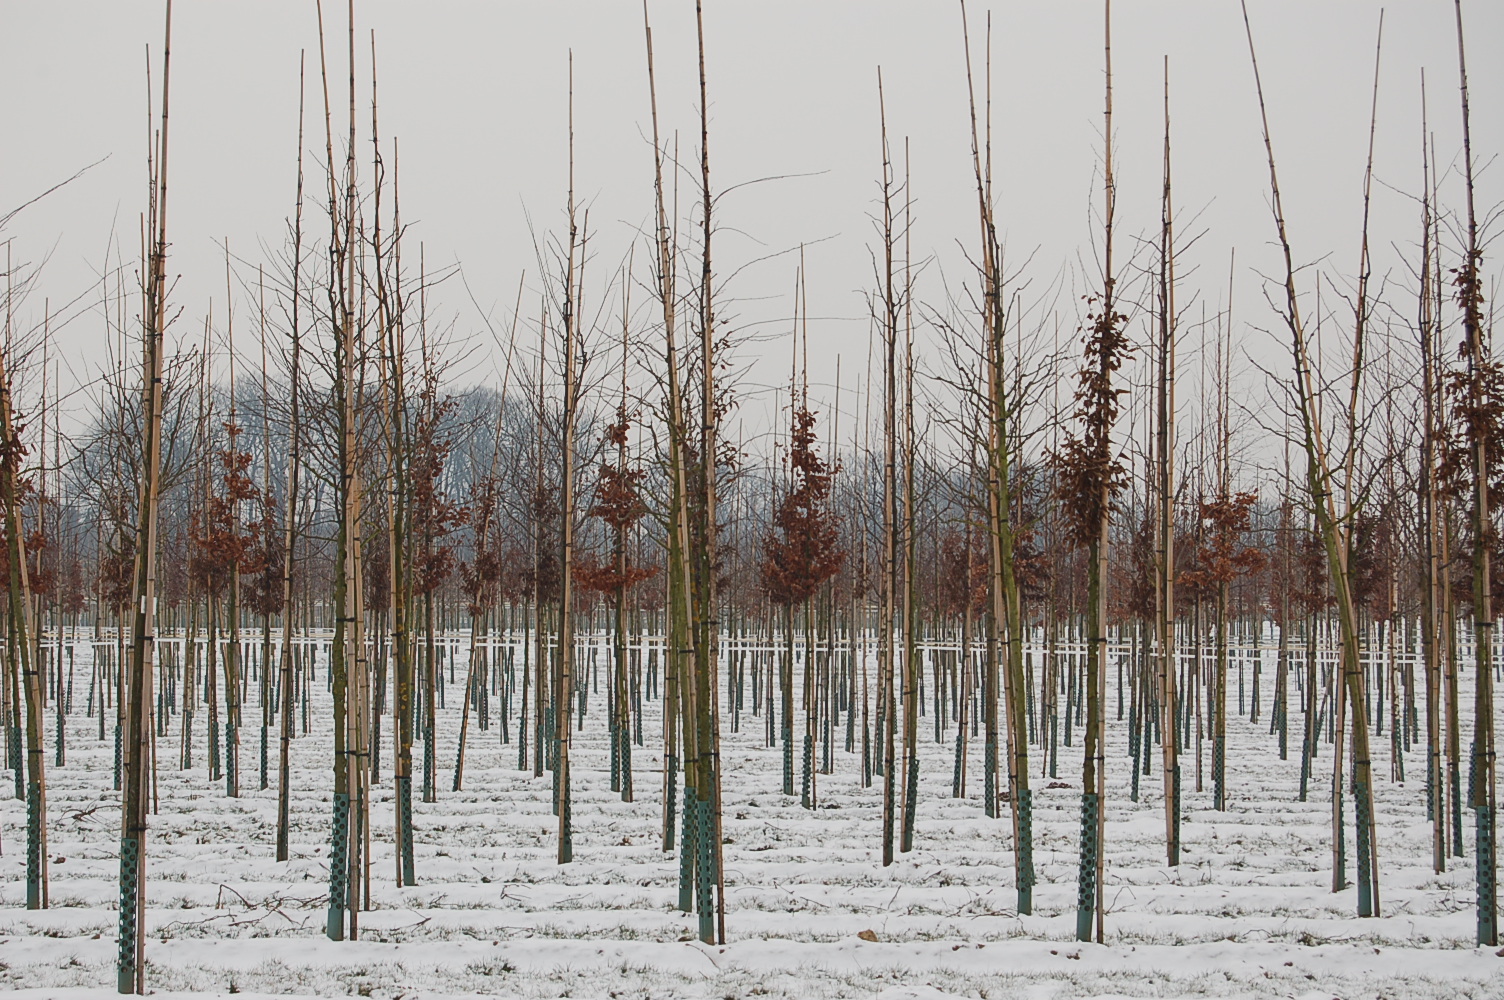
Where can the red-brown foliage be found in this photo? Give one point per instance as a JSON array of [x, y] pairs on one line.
[[221, 542], [619, 504], [1222, 557], [434, 515], [1088, 476], [803, 549], [963, 584]]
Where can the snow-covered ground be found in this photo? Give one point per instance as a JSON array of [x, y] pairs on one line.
[[1249, 912]]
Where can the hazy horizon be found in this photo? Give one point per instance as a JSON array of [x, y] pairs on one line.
[[476, 96]]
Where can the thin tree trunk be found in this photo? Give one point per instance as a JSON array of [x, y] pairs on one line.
[[1480, 366], [131, 964], [289, 533], [1165, 562]]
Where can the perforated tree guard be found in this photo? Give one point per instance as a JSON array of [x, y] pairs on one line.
[[806, 779], [615, 740], [130, 895], [33, 845], [339, 861], [1025, 851], [1148, 749], [566, 830], [1175, 817], [1362, 808], [1219, 773], [232, 759], [13, 752], [989, 777], [428, 768], [1488, 886], [704, 898], [1086, 874], [1305, 767], [1456, 795], [955, 777], [405, 818], [671, 795], [687, 851], [1133, 785], [1472, 773], [1431, 787], [626, 765], [910, 805]]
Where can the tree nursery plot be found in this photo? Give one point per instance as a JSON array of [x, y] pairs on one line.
[[379, 627], [811, 909]]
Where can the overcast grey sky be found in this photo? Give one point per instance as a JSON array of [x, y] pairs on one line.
[[476, 92]]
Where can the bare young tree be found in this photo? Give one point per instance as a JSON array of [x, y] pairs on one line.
[[131, 962]]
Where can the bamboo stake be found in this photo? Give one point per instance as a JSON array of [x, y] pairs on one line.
[[563, 712], [887, 699], [1165, 457], [289, 534]]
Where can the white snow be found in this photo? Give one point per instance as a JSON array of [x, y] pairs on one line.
[[1249, 912]]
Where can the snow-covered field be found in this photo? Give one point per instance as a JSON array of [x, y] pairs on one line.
[[1249, 912]]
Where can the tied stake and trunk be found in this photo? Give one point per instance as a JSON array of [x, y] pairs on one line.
[[803, 552], [136, 756], [1333, 524], [1004, 565], [1478, 408], [1089, 476]]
